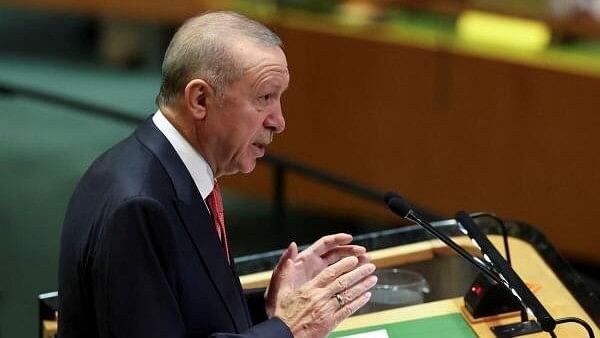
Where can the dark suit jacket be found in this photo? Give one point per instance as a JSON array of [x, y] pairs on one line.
[[139, 255]]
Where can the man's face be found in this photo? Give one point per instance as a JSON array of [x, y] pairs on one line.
[[250, 113]]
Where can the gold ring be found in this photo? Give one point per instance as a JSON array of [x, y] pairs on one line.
[[340, 300]]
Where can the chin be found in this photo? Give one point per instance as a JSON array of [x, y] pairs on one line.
[[248, 167]]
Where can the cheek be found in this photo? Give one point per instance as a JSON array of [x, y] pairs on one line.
[[245, 129], [241, 141], [252, 127]]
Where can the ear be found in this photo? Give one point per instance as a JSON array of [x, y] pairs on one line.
[[197, 93]]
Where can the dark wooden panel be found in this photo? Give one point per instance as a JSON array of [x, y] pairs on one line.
[[449, 131], [528, 148], [352, 107]]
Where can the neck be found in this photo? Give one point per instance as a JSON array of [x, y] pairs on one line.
[[190, 131]]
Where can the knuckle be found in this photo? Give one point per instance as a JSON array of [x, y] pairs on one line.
[[348, 295], [347, 311], [303, 296], [319, 312], [341, 283], [330, 274], [317, 315]]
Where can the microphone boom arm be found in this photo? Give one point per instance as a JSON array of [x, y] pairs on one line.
[[411, 215]]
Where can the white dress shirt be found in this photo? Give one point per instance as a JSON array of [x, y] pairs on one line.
[[194, 162]]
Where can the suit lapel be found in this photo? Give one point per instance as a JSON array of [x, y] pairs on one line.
[[198, 223], [209, 247]]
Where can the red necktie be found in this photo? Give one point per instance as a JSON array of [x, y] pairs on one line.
[[215, 203]]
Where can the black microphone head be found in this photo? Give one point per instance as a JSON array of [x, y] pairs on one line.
[[397, 204], [389, 195]]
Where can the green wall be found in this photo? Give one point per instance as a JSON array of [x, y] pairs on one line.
[[44, 149]]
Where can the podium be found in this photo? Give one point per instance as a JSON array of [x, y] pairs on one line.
[[553, 281], [556, 285]]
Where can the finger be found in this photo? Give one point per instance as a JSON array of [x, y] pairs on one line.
[[354, 292], [333, 304], [363, 259], [358, 289], [332, 272], [286, 275], [348, 309], [278, 276], [350, 278], [292, 250], [287, 254], [281, 278], [340, 252], [329, 242]]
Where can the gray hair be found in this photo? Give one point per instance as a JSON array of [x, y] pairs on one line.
[[199, 49]]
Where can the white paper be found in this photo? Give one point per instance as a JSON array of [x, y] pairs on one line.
[[372, 334]]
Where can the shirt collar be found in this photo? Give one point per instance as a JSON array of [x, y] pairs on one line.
[[194, 162]]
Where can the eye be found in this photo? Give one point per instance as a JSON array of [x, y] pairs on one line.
[[266, 98]]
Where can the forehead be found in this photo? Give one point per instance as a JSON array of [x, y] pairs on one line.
[[256, 58]]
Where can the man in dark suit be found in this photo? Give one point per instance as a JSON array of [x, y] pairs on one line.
[[144, 250]]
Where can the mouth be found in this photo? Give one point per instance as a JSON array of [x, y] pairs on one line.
[[260, 148], [261, 145]]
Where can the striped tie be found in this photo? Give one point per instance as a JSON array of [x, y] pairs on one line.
[[215, 202]]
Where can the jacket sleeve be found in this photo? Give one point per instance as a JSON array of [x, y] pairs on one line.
[[135, 280]]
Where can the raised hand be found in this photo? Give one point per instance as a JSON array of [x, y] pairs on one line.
[[310, 262], [324, 252], [313, 310]]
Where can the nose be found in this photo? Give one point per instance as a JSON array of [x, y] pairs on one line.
[[275, 120]]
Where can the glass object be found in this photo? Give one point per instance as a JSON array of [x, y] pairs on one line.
[[396, 288]]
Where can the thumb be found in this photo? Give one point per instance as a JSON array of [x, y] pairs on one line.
[[290, 252], [281, 282], [281, 269], [293, 249], [286, 275]]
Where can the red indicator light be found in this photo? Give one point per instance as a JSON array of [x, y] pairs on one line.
[[476, 289]]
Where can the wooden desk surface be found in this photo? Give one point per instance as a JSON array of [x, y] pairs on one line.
[[526, 261]]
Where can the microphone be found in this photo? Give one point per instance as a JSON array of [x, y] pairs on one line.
[[498, 270], [400, 207], [511, 279]]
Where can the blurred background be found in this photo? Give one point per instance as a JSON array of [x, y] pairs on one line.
[[456, 104]]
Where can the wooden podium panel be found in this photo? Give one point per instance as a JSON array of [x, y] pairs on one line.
[[526, 261]]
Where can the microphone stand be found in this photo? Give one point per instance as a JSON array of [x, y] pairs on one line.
[[412, 216], [512, 281], [400, 207]]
